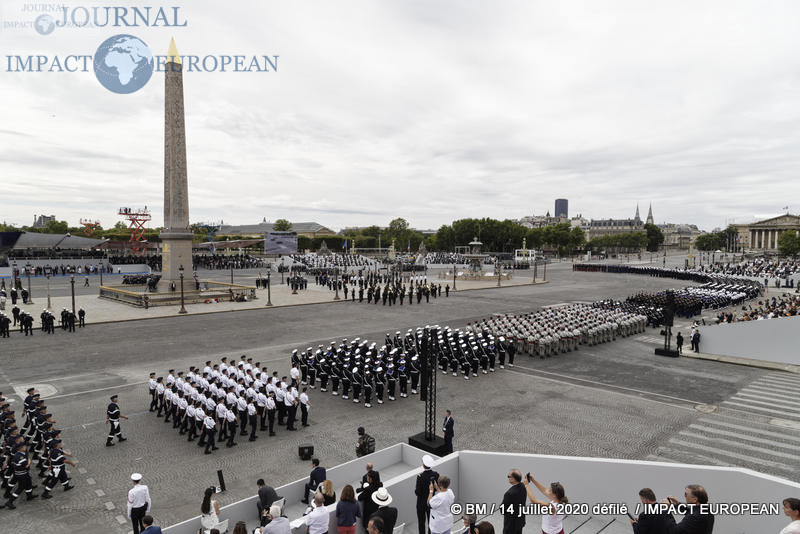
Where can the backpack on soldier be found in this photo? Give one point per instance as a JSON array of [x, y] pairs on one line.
[[370, 444]]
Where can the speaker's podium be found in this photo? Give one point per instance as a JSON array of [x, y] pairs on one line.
[[435, 446], [667, 352]]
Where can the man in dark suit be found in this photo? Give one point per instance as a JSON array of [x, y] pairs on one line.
[[422, 489], [449, 423], [317, 477], [693, 522], [147, 521], [513, 501], [651, 523], [266, 496]]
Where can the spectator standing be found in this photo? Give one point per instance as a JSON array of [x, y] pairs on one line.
[[374, 483], [649, 523], [447, 428], [421, 489], [147, 521], [791, 507], [679, 343], [138, 502], [209, 510], [553, 522], [513, 501], [440, 503], [347, 511], [375, 526], [693, 521], [387, 513]]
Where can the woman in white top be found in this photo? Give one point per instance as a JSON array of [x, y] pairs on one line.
[[210, 510], [552, 522], [791, 507], [441, 518]]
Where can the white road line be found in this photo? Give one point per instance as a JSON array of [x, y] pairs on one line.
[[729, 443], [696, 456], [779, 435], [783, 378], [751, 407], [738, 435], [741, 457], [773, 387], [96, 390], [758, 399], [767, 393]]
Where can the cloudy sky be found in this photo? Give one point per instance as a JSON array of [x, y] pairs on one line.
[[432, 110]]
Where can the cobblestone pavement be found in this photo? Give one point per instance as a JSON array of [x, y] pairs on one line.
[[614, 400]]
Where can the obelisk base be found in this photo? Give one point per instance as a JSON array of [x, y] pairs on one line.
[[176, 250]]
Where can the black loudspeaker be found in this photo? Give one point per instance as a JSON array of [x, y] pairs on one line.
[[221, 480], [306, 451]]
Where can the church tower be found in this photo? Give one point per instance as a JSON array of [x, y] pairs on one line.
[[650, 214]]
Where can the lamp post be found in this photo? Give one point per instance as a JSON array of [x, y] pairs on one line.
[[544, 275], [16, 275], [231, 273], [497, 268], [28, 268], [454, 277], [183, 308], [269, 288], [47, 275], [280, 267], [72, 283], [101, 274], [294, 283], [336, 285]]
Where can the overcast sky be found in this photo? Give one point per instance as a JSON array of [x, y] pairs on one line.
[[429, 110]]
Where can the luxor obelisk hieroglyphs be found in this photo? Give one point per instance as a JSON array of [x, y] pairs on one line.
[[176, 237]]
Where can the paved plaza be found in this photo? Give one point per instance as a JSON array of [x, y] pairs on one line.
[[615, 400]]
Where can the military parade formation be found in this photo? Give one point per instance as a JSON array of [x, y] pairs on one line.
[[37, 444]]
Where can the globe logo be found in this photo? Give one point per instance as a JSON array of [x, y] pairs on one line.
[[123, 64], [44, 24]]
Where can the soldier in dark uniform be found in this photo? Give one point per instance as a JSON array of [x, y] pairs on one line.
[[391, 381], [422, 491], [21, 464], [58, 473], [367, 386], [335, 376], [357, 381], [414, 364], [81, 317], [113, 416]]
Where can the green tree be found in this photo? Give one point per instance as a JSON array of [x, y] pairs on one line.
[[655, 237], [445, 238], [708, 242], [789, 243], [56, 227], [281, 225]]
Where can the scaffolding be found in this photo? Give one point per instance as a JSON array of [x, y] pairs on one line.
[[89, 226], [137, 219]]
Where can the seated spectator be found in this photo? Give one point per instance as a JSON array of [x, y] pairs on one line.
[[316, 478], [651, 523], [791, 507], [553, 522], [266, 496], [373, 483], [147, 521], [317, 521], [693, 521], [441, 519], [387, 513], [375, 526], [278, 524], [240, 528], [347, 511], [328, 493]]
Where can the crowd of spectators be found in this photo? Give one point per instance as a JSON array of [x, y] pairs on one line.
[[784, 306], [328, 261]]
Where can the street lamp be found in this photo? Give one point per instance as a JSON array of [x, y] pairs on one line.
[[336, 285], [544, 275], [28, 268], [101, 273], [497, 268], [47, 275], [454, 277], [72, 283], [16, 275], [183, 308], [231, 273], [269, 288]]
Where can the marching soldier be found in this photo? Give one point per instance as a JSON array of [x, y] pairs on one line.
[[113, 416], [58, 473]]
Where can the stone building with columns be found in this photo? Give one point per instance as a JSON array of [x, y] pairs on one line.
[[761, 237]]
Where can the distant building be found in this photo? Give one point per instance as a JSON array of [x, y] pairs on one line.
[[761, 237], [308, 229], [42, 220], [562, 208], [679, 236], [540, 221], [603, 227]]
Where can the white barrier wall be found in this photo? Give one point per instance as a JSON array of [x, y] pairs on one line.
[[772, 340]]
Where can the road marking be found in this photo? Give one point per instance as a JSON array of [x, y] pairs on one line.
[[766, 402], [121, 519], [794, 425], [723, 441], [751, 407], [91, 481], [742, 457], [100, 493], [770, 442], [109, 505], [754, 430], [772, 387], [767, 393], [97, 390]]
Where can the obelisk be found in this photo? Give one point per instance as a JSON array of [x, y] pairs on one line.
[[176, 237]]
